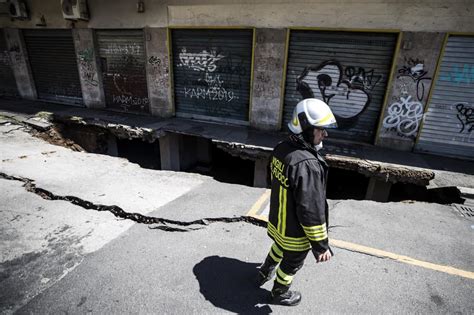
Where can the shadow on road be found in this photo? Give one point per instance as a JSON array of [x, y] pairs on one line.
[[230, 284]]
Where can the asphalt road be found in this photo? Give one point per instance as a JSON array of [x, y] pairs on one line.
[[58, 257]]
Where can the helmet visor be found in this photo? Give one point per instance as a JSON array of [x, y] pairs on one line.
[[331, 126]]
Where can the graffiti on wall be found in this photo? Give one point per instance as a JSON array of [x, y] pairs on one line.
[[414, 70], [202, 61], [123, 49], [123, 68], [363, 78], [129, 100], [459, 74], [211, 85], [159, 72], [87, 66], [213, 90], [465, 114], [15, 53], [121, 84], [346, 92], [404, 116]]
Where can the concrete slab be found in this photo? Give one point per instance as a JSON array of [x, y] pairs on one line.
[[96, 178], [39, 123], [258, 144]]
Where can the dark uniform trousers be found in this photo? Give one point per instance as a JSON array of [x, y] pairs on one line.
[[289, 263]]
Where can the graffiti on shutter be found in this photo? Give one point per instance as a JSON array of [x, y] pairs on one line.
[[448, 127], [345, 90], [123, 62], [347, 70], [212, 73]]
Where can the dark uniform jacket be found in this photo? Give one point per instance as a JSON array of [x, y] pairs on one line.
[[298, 217]]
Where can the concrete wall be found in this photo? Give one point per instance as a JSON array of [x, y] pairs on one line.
[[421, 15], [411, 83], [423, 24], [88, 64], [268, 78], [158, 72], [20, 65]]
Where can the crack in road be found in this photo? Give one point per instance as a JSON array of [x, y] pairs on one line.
[[11, 130], [30, 186]]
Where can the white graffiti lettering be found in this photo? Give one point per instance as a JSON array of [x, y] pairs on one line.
[[128, 49], [130, 100], [203, 61], [404, 116], [211, 94]]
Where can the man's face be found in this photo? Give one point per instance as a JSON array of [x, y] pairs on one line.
[[319, 135]]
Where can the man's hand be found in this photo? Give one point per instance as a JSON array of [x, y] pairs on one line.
[[324, 256]]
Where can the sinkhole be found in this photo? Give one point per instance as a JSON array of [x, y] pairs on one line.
[[203, 156]]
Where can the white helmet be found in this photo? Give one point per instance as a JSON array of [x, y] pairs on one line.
[[311, 112]]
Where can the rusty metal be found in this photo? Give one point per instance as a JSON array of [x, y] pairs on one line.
[[123, 61]]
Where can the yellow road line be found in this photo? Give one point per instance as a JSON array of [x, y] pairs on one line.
[[260, 217], [253, 211], [401, 258], [369, 250]]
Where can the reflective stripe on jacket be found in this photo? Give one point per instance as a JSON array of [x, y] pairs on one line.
[[298, 217]]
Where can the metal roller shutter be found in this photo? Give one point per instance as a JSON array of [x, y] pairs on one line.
[[7, 79], [123, 61], [348, 70], [212, 70], [448, 126], [53, 62]]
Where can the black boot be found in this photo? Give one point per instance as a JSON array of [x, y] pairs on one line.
[[267, 271], [284, 296]]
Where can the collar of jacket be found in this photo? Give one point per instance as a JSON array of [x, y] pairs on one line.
[[298, 141]]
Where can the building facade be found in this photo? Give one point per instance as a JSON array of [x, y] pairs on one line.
[[397, 74]]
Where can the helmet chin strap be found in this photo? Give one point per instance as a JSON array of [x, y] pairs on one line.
[[318, 146], [308, 137]]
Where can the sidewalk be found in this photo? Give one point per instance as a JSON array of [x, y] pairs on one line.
[[259, 144]]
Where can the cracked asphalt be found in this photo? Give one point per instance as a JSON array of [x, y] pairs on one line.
[[84, 233]]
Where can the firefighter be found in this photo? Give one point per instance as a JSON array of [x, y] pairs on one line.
[[298, 218]]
